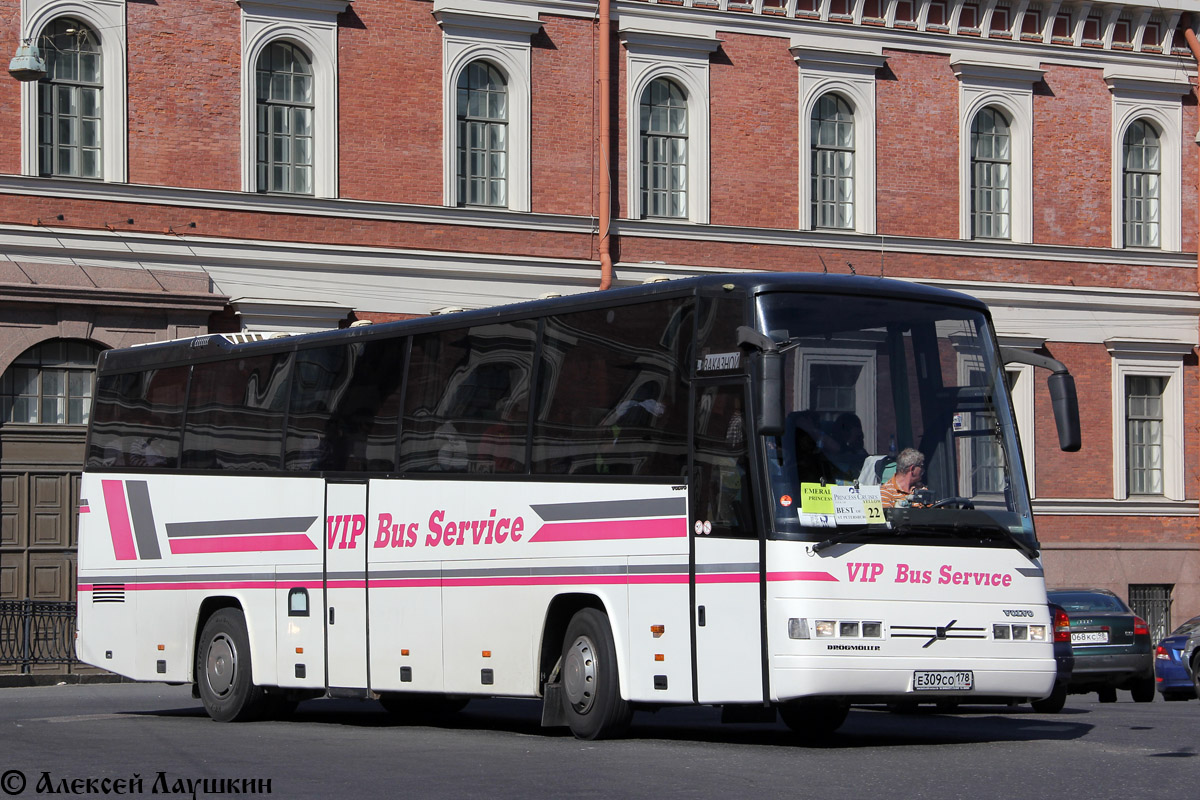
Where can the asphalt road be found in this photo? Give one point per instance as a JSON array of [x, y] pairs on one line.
[[61, 736]]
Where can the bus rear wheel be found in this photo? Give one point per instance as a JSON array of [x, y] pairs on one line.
[[223, 673], [591, 690]]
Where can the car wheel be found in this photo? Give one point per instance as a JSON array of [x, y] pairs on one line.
[[1143, 691], [1108, 695], [1054, 703]]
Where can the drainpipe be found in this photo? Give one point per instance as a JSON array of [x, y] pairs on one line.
[[605, 199], [1193, 44]]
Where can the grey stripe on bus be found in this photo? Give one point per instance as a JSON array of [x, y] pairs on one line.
[[1031, 572], [613, 509], [143, 519], [751, 566], [227, 527], [175, 578], [641, 569]]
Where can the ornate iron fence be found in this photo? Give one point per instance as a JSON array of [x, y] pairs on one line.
[[34, 633]]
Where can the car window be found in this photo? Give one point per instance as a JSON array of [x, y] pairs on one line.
[[1088, 601], [1187, 627]]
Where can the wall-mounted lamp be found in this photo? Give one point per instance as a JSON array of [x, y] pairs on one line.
[[112, 225], [170, 229], [27, 64]]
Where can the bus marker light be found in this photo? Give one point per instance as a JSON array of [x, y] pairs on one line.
[[487, 653], [798, 628], [825, 627], [162, 647], [404, 652], [659, 657], [658, 630], [300, 651]]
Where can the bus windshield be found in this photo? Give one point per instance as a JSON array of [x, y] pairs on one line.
[[901, 395]]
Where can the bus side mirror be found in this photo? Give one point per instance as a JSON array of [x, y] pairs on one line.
[[770, 404], [1066, 410], [1062, 394], [770, 388]]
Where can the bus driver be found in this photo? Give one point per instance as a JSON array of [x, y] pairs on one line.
[[900, 488]]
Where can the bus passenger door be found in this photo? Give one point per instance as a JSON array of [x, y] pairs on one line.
[[346, 585], [726, 579]]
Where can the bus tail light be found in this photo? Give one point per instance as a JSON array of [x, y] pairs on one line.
[[1140, 628]]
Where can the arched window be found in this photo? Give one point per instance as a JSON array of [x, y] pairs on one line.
[[991, 175], [50, 384], [832, 127], [284, 120], [664, 145], [1141, 169], [482, 136], [69, 97]]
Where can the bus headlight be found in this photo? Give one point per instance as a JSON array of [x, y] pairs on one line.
[[825, 627], [798, 628]]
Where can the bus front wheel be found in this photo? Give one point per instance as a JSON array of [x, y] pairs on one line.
[[591, 692], [223, 669]]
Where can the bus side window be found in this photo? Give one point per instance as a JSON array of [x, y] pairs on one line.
[[344, 407], [235, 413], [721, 465], [466, 406], [612, 391], [136, 419]]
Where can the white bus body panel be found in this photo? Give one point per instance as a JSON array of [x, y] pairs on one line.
[[729, 643], [345, 544], [938, 606]]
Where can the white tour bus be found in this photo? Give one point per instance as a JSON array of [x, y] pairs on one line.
[[627, 499]]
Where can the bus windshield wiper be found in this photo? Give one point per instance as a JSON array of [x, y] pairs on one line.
[[977, 525], [862, 532]]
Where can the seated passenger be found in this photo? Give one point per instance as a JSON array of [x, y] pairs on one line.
[[900, 488]]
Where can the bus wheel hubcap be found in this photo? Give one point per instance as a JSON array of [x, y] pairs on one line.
[[579, 675], [222, 661]]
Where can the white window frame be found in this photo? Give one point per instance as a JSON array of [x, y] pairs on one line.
[[503, 40], [1152, 359], [106, 18], [312, 26], [681, 57], [852, 76], [1010, 89], [1159, 101]]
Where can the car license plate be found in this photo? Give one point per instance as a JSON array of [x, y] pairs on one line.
[[943, 680], [1090, 637]]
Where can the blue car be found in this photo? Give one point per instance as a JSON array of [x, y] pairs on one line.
[[1170, 673]]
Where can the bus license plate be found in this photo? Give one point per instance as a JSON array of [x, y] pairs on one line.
[[943, 680]]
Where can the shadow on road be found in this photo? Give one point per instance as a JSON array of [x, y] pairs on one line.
[[864, 727]]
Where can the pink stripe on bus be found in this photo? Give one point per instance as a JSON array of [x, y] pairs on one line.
[[118, 520], [241, 544], [728, 577], [673, 527], [800, 576]]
